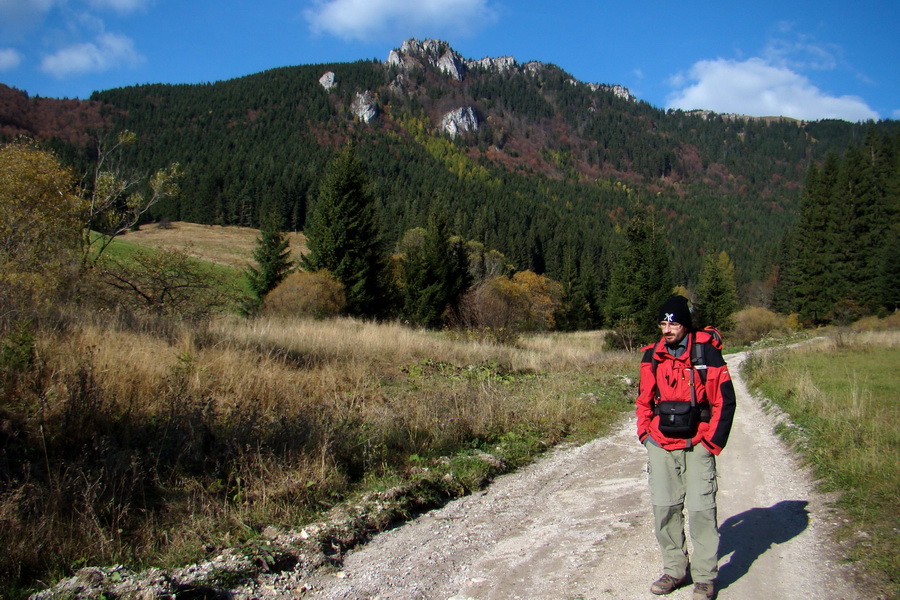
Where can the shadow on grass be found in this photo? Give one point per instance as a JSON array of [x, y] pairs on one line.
[[753, 532]]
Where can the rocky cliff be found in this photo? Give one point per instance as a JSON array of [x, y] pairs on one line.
[[438, 54]]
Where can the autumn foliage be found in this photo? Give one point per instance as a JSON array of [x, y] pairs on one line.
[[525, 302], [308, 294], [39, 225]]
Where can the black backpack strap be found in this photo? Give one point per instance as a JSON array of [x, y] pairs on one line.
[[698, 362], [654, 363], [698, 358]]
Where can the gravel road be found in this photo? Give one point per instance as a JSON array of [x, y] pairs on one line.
[[577, 525]]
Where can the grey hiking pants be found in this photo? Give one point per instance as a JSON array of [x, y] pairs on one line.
[[682, 479]]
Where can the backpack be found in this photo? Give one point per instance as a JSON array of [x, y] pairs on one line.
[[680, 419]]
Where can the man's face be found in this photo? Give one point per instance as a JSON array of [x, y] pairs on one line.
[[672, 332]]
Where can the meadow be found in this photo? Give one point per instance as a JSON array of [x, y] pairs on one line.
[[152, 442]]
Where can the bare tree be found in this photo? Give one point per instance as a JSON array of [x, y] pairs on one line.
[[115, 200]]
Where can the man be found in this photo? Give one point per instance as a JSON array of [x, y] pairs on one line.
[[683, 419]]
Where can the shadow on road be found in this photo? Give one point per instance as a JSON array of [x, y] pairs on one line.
[[751, 533]]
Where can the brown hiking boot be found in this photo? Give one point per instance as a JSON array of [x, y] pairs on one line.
[[703, 591], [667, 584]]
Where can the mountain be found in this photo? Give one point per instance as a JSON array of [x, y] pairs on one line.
[[523, 158]]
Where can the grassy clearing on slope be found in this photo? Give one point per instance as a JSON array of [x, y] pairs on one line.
[[230, 246], [842, 396], [226, 275]]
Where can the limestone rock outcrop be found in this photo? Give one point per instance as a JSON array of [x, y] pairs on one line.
[[460, 120], [619, 91], [364, 107], [437, 54], [327, 80], [434, 53], [498, 65]]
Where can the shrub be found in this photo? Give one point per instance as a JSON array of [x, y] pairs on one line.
[[873, 323], [311, 294], [624, 334], [167, 283], [526, 302], [755, 322]]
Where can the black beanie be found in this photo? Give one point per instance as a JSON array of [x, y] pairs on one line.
[[675, 310]]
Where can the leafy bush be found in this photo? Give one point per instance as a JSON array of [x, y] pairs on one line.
[[166, 282], [754, 323], [319, 295], [525, 302], [875, 324]]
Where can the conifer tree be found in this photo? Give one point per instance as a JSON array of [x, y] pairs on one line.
[[816, 239], [839, 263], [717, 292], [783, 293], [877, 220], [343, 236], [577, 310], [272, 257], [435, 275], [640, 282]]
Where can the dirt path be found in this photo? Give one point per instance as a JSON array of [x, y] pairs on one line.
[[576, 525]]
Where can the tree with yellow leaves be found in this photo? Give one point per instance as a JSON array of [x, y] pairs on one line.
[[115, 199], [40, 227]]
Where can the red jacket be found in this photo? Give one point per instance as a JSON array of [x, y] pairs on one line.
[[672, 377]]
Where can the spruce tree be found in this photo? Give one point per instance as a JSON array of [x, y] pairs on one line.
[[783, 293], [343, 236], [640, 282], [272, 257], [576, 313], [838, 261], [880, 218], [817, 246], [435, 275], [717, 292]]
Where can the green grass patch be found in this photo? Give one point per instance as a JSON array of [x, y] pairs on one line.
[[841, 395], [230, 279]]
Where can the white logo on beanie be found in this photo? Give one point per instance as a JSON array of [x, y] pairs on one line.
[[669, 317]]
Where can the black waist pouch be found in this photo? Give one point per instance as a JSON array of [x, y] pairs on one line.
[[678, 419]]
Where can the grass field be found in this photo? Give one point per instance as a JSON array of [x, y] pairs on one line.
[[230, 246], [842, 396]]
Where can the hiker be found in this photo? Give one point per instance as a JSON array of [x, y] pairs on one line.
[[685, 407]]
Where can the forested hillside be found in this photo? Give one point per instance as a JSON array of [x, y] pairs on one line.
[[552, 169]]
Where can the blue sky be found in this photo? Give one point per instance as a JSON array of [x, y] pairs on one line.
[[808, 60]]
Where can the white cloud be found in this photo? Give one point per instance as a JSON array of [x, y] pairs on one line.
[[9, 59], [800, 51], [120, 6], [757, 88], [109, 51], [17, 17], [371, 19]]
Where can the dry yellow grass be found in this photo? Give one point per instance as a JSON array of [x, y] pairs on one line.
[[387, 343], [169, 437], [230, 246]]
